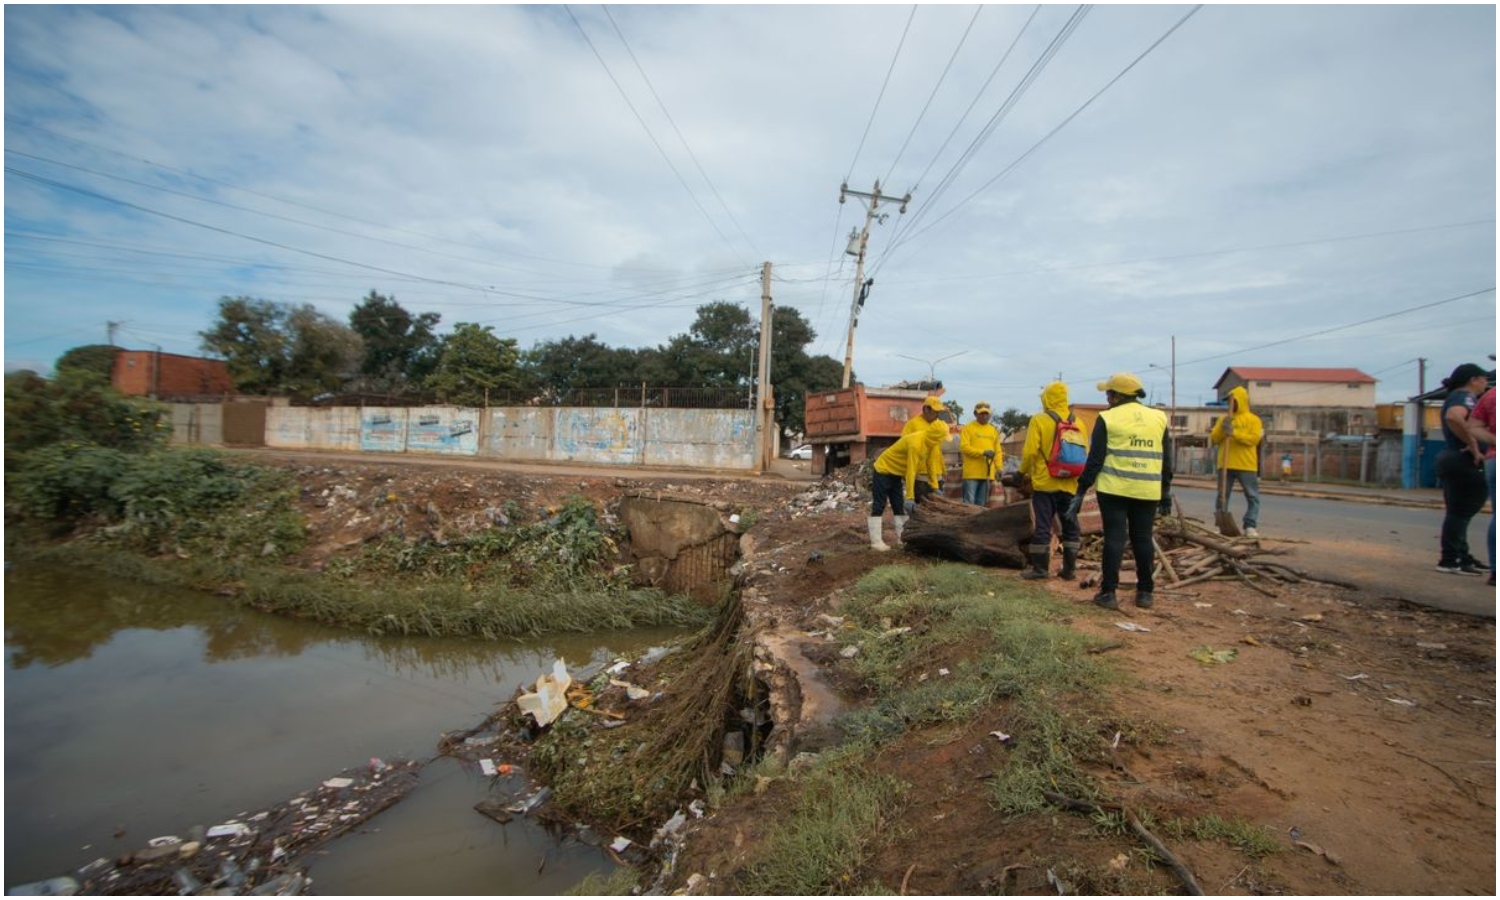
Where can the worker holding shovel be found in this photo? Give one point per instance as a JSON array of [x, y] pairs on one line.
[[979, 445], [1238, 436]]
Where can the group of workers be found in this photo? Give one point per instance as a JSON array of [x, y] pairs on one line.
[[1129, 466]]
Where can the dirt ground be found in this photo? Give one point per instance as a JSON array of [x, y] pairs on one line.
[[1360, 730]]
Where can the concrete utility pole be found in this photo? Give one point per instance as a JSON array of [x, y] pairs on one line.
[[765, 414], [858, 242], [110, 328]]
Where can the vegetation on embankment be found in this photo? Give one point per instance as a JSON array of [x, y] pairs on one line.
[[90, 481]]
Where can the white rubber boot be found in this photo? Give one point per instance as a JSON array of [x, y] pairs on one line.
[[875, 542], [900, 528]]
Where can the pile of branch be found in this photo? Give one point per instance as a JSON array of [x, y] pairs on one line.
[[1188, 552]]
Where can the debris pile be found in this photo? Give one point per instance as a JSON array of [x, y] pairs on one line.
[[258, 853]]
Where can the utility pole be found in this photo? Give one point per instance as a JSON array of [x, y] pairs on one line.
[[858, 242], [1174, 385], [765, 414], [110, 328]]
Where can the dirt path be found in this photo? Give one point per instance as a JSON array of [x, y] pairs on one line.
[[1360, 727]]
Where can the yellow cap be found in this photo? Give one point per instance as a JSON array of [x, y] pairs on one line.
[[937, 432], [1123, 383], [933, 403], [981, 407]]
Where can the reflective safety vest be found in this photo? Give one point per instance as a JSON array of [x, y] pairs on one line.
[[1132, 462]]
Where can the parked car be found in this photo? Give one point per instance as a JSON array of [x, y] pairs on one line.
[[802, 452]]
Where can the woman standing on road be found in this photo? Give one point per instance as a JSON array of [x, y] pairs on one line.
[[1460, 470]]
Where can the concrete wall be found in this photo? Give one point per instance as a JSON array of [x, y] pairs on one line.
[[676, 438], [197, 423]]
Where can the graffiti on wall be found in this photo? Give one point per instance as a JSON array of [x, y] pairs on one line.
[[453, 431], [598, 435], [382, 431]]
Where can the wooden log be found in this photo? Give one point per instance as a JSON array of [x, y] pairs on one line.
[[973, 534]]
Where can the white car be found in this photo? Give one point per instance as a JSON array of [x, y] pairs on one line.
[[802, 452]]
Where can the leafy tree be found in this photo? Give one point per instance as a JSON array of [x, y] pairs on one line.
[[794, 374], [274, 347], [77, 408], [554, 368], [473, 362], [717, 351], [400, 350], [1012, 420], [96, 358]]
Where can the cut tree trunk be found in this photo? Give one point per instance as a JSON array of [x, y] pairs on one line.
[[973, 534]]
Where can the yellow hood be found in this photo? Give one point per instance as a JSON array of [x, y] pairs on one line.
[[1055, 399], [1239, 401]]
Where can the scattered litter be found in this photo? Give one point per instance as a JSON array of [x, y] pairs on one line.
[[620, 844], [1201, 605], [167, 840], [1314, 848], [943, 672], [850, 651], [1000, 736], [1250, 639], [1241, 612], [1115, 744], [1360, 677], [1311, 617], [487, 766], [1209, 656], [1131, 626], [1425, 645], [377, 765], [697, 808], [526, 806], [907, 628], [1056, 882], [618, 667], [632, 691], [1119, 862], [338, 782], [1401, 701], [550, 698], [228, 829], [835, 621]]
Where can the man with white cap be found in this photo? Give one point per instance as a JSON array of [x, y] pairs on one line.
[[1130, 464]]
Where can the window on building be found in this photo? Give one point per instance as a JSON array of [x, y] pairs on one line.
[[1262, 384]]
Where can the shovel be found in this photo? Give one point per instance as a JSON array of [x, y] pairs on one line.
[[1223, 518]]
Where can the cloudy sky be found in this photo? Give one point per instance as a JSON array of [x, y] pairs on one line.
[[1270, 185]]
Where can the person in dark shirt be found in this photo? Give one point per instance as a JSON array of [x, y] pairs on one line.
[[1460, 471]]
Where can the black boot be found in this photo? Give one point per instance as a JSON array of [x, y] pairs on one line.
[[1039, 562], [1070, 561], [1143, 599], [1107, 600]]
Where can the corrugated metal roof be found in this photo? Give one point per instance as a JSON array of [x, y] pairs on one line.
[[1268, 373]]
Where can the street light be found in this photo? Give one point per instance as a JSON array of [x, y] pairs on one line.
[[932, 364], [1174, 381]]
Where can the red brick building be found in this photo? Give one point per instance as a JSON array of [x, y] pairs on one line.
[[151, 373]]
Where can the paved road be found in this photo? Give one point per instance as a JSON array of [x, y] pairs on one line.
[[1366, 539]]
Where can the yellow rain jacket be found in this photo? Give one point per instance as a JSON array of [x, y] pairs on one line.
[[934, 468], [1040, 432], [1239, 450], [973, 440], [908, 455]]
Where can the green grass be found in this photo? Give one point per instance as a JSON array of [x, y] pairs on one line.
[[1255, 841], [841, 813]]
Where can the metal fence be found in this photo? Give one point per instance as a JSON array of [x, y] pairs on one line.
[[627, 397]]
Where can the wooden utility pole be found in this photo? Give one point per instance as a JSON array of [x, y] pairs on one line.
[[765, 413], [858, 242]]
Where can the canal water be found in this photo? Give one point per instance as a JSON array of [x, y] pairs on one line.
[[133, 712]]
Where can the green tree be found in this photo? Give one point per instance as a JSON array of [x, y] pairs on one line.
[[78, 407], [717, 351], [554, 368], [274, 347], [400, 350], [96, 358], [473, 362], [794, 374], [1012, 420]]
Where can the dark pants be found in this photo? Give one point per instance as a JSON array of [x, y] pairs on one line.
[[1045, 506], [888, 489], [1122, 516], [1464, 493]]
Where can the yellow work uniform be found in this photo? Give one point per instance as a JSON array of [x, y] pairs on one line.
[[973, 440], [1133, 456], [908, 455], [1240, 450], [1040, 433], [933, 467]]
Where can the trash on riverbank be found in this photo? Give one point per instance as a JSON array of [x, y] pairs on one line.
[[253, 853]]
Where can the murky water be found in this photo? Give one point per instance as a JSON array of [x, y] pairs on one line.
[[132, 712]]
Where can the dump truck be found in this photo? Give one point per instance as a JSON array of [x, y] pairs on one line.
[[854, 424]]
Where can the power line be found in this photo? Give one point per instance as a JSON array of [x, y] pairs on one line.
[[881, 96], [654, 142], [930, 97], [1049, 135], [673, 122]]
